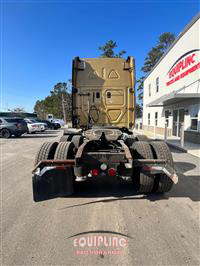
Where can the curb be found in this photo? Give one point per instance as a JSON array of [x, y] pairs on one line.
[[176, 147], [170, 144]]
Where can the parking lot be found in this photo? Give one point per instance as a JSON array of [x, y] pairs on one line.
[[164, 229]]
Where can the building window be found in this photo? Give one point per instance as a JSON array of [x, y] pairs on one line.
[[194, 123], [149, 90], [194, 117], [167, 117], [157, 84], [148, 118], [156, 118]]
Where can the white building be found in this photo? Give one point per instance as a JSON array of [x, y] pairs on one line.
[[172, 88]]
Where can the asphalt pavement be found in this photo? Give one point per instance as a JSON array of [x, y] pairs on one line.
[[159, 229]]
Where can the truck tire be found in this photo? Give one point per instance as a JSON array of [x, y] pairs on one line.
[[65, 138], [77, 140], [130, 140], [46, 152], [54, 183], [143, 182], [42, 187], [5, 133], [141, 138], [64, 181], [161, 151], [65, 150]]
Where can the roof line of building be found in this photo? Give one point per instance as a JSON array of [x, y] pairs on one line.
[[189, 25]]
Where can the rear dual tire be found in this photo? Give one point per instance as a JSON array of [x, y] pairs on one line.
[[65, 138], [46, 152], [130, 140], [145, 182], [77, 140], [55, 182], [141, 138], [42, 187], [65, 150], [161, 151], [65, 178]]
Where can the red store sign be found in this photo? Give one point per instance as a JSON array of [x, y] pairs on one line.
[[186, 64]]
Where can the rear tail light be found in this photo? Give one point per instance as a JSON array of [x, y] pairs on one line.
[[112, 172], [95, 172]]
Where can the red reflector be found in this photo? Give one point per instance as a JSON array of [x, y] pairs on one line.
[[95, 172], [60, 167], [112, 172], [147, 168]]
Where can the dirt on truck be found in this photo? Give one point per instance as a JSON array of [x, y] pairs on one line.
[[101, 142]]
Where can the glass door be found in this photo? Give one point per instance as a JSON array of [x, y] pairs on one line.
[[181, 120], [178, 119]]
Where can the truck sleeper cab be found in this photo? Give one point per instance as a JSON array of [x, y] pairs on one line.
[[101, 141]]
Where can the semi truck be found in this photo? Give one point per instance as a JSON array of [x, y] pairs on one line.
[[101, 142]]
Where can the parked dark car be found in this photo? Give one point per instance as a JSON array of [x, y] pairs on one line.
[[12, 126], [56, 125], [51, 125]]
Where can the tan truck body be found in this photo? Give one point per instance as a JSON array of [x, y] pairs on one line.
[[103, 88], [102, 97]]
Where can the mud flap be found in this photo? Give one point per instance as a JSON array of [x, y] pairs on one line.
[[52, 184]]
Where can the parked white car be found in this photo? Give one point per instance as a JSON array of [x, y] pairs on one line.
[[42, 124], [59, 121], [34, 127]]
